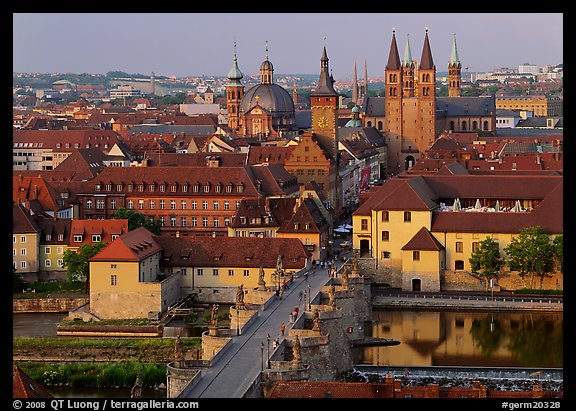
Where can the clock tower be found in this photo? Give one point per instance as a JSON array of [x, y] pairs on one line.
[[324, 108]]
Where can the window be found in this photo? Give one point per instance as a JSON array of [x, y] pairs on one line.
[[183, 222], [200, 271], [229, 188], [226, 205], [230, 273], [22, 264], [173, 221], [47, 250], [22, 239], [162, 221], [385, 216], [59, 250], [237, 204], [48, 237], [416, 255], [475, 246], [115, 236], [215, 204], [246, 273], [88, 203], [214, 271], [100, 204], [386, 254], [174, 187], [459, 247], [141, 204], [60, 263], [207, 188], [385, 235], [47, 263], [130, 204], [194, 205], [162, 187], [196, 188], [77, 238], [407, 216], [194, 222], [113, 204], [458, 265], [204, 221], [96, 238], [364, 225], [240, 188], [113, 279], [204, 205], [151, 204], [118, 187], [172, 204], [216, 222], [22, 251], [13, 238], [183, 204]]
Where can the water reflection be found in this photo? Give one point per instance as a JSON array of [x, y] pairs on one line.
[[473, 339]]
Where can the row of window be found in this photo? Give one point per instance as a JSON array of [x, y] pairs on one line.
[[206, 188], [173, 205], [78, 238], [385, 218], [311, 172], [193, 221], [199, 271]]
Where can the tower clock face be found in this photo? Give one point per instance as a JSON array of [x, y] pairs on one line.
[[322, 122]]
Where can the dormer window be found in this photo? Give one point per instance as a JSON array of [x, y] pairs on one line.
[[108, 187], [196, 188], [97, 187], [151, 187], [240, 188], [207, 188], [185, 188], [296, 226], [96, 238], [77, 238], [174, 187], [140, 187], [162, 187], [119, 187], [229, 188], [130, 187]]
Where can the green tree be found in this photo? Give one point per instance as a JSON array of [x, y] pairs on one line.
[[486, 260], [136, 220], [558, 244], [531, 253], [76, 262]]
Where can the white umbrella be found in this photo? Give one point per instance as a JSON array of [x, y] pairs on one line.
[[517, 207], [347, 226], [497, 206], [477, 206], [341, 230]]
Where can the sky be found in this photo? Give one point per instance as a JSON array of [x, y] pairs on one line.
[[195, 44]]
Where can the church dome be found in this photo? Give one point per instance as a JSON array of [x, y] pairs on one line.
[[271, 97], [266, 65]]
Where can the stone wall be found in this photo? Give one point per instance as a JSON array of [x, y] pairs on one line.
[[180, 381], [47, 305]]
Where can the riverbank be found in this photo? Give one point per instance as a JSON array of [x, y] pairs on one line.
[[466, 302]]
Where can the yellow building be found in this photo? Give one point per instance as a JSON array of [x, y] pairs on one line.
[[541, 105], [126, 281], [140, 275], [416, 229], [25, 242]]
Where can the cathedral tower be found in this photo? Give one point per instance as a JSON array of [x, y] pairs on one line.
[[393, 107], [234, 94], [426, 98], [407, 71], [454, 71]]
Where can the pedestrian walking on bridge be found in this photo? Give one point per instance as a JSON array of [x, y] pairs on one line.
[[283, 328]]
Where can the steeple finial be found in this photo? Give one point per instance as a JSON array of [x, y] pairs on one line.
[[266, 49]]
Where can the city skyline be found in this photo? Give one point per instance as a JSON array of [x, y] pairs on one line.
[[196, 44]]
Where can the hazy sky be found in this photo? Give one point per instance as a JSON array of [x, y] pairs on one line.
[[184, 44]]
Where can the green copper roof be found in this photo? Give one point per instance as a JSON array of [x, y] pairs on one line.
[[407, 54], [454, 55], [235, 73]]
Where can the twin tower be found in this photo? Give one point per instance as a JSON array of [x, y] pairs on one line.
[[410, 103]]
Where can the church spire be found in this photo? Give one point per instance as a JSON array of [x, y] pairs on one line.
[[454, 55], [407, 54], [235, 75], [393, 57], [266, 70], [426, 62], [355, 85]]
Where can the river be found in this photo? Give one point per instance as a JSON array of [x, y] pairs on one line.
[[522, 339]]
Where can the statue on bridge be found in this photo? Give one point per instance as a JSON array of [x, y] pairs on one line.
[[345, 278], [316, 320], [296, 352], [178, 353], [261, 282], [214, 316], [331, 295], [240, 297], [136, 391]]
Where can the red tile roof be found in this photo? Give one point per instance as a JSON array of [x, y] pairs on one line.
[[104, 228], [423, 240], [232, 252], [25, 387], [135, 245]]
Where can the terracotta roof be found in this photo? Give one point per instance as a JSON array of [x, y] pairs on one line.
[[423, 240], [268, 154], [104, 228], [85, 163], [25, 387], [307, 215], [51, 138], [135, 245], [36, 188], [279, 209], [232, 252], [197, 159], [22, 222]]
